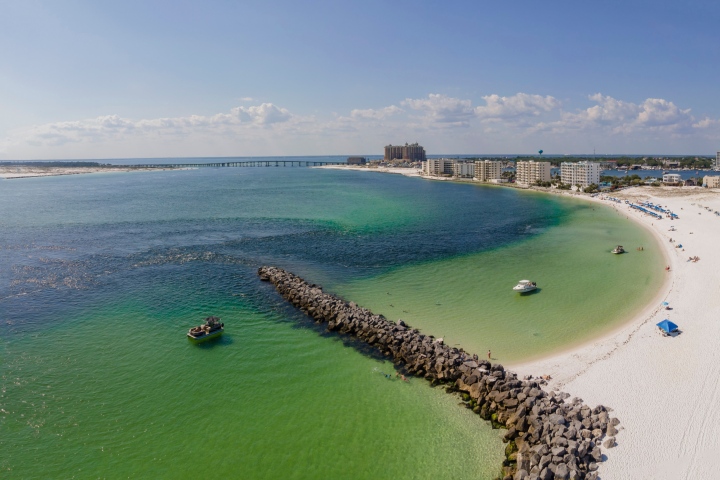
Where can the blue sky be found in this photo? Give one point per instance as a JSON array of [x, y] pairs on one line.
[[101, 79]]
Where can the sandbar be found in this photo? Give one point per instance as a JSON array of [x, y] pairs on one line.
[[28, 171]]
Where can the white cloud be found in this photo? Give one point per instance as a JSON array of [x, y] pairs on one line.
[[377, 114], [518, 105], [614, 116], [442, 109], [264, 114], [442, 123]]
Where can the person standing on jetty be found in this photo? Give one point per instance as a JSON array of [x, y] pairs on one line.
[[489, 355]]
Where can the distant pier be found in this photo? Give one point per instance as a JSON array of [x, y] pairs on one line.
[[243, 163]]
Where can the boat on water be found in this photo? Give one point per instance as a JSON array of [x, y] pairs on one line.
[[618, 249], [525, 286], [212, 328]]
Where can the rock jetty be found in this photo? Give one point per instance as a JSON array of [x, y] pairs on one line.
[[548, 437]]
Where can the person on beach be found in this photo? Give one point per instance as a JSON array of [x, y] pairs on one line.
[[489, 355]]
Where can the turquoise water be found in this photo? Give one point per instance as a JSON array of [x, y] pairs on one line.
[[583, 290], [102, 275]]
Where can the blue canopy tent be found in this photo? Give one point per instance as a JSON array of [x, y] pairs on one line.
[[667, 326]]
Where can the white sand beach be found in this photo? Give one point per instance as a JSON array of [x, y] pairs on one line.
[[27, 171], [664, 390], [408, 172]]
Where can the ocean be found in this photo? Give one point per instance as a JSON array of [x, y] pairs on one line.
[[101, 275]]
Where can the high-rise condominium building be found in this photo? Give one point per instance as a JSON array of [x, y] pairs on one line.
[[463, 169], [438, 166], [488, 170], [411, 152], [580, 173], [716, 165], [527, 173]]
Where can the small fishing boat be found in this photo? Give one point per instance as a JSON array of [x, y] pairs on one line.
[[525, 286], [212, 328], [618, 249]]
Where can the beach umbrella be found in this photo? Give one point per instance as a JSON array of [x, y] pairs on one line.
[[667, 326]]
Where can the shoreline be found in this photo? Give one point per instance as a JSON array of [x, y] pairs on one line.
[[642, 313], [663, 389], [649, 373]]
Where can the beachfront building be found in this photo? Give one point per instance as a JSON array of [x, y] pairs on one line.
[[716, 165], [488, 170], [356, 160], [463, 169], [438, 166], [711, 181], [411, 152], [580, 173], [528, 173], [672, 179]]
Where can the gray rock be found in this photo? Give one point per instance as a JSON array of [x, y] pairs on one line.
[[520, 475], [559, 450], [523, 462], [557, 419], [609, 443], [562, 472], [546, 474]]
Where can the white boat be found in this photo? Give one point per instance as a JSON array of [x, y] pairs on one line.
[[525, 286], [618, 249]]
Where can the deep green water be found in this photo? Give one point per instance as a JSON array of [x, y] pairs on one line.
[[101, 276]]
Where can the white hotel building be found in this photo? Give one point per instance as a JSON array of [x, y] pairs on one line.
[[463, 169], [438, 166], [580, 173], [482, 170], [488, 170], [527, 173]]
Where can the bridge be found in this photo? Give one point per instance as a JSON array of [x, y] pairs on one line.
[[244, 163]]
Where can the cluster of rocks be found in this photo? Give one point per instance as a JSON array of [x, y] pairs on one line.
[[547, 436]]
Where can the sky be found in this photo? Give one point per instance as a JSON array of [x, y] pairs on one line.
[[101, 79]]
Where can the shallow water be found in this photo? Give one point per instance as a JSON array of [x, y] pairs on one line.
[[101, 275], [583, 289]]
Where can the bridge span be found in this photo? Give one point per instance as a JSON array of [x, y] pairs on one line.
[[244, 163]]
